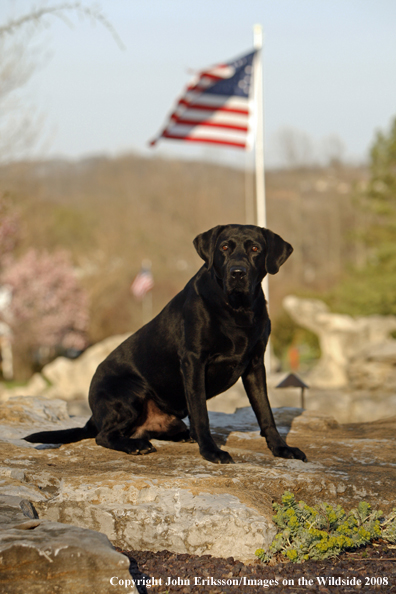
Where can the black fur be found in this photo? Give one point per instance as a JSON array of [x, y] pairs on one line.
[[212, 333]]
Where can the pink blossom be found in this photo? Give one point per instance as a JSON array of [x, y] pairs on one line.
[[48, 306]]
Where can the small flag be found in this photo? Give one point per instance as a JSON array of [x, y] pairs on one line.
[[143, 283], [216, 106]]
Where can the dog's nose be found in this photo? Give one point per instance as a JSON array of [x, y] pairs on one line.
[[238, 272]]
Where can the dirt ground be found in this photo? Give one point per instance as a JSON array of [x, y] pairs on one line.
[[368, 569]]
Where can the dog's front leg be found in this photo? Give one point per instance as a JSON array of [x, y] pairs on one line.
[[194, 386], [255, 383]]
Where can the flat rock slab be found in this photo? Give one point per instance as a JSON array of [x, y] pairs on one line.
[[44, 557], [175, 500]]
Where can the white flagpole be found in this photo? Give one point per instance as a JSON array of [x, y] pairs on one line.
[[259, 154], [259, 132]]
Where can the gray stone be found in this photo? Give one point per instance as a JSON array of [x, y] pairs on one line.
[[68, 379], [355, 404], [345, 341], [36, 385], [374, 366], [20, 414], [43, 557], [230, 400], [175, 500]]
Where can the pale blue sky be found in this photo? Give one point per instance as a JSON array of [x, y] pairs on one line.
[[329, 69]]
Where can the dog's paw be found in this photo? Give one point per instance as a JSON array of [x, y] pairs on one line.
[[140, 446], [285, 451], [184, 437], [217, 456], [189, 439]]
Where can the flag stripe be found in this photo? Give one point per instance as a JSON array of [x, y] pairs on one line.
[[241, 123], [220, 117], [215, 101], [204, 133], [208, 107], [194, 130], [212, 124], [143, 283], [206, 140], [215, 107]]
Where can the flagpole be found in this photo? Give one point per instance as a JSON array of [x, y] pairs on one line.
[[261, 209], [250, 207], [259, 132]]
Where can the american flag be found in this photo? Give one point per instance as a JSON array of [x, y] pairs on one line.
[[216, 106], [142, 284]]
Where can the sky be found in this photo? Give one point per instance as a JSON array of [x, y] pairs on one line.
[[329, 70]]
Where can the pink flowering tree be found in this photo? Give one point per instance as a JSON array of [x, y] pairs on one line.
[[48, 307]]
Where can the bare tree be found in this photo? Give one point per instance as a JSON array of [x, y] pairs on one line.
[[20, 54], [294, 147], [333, 150]]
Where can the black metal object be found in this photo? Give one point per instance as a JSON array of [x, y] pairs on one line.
[[293, 381]]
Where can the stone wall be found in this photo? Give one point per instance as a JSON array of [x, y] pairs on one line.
[[357, 352]]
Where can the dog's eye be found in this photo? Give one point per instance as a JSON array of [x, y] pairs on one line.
[[254, 248], [224, 247]]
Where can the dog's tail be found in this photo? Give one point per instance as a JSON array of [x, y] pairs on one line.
[[64, 435]]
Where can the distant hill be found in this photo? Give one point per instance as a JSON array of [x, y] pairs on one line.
[[113, 212]]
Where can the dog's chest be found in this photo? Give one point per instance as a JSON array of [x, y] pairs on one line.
[[228, 361]]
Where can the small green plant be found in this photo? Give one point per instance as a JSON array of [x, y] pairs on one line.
[[325, 530]]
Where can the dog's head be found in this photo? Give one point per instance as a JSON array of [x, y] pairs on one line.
[[240, 256]]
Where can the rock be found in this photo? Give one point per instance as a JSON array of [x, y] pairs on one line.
[[43, 557], [68, 379], [385, 352], [350, 406], [313, 421], [175, 500], [230, 400], [20, 415], [32, 410], [353, 405], [35, 387], [343, 340], [374, 366]]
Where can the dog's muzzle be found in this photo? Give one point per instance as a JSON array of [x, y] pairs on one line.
[[237, 284], [238, 272]]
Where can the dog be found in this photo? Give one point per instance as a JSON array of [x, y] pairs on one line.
[[208, 336]]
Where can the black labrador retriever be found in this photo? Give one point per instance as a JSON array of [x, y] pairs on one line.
[[212, 333]]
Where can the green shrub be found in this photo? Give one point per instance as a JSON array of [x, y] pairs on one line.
[[324, 531], [370, 287]]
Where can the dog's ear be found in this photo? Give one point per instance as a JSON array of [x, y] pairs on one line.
[[205, 244], [278, 251]]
